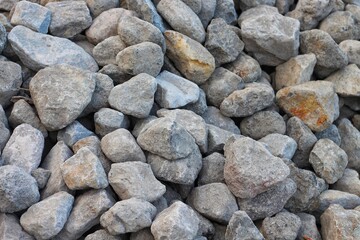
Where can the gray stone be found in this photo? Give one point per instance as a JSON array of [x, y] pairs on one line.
[[105, 51], [262, 124], [350, 142], [283, 225], [31, 15], [4, 137], [146, 57], [268, 203], [19, 189], [143, 234], [174, 91], [308, 227], [160, 204], [129, 215], [328, 54], [103, 235], [86, 45], [191, 58], [214, 117], [141, 124], [59, 100], [114, 72], [182, 19], [83, 171], [212, 170], [356, 121], [242, 103], [129, 100], [88, 208], [129, 28], [3, 37], [96, 7], [206, 228], [346, 81], [214, 201], [41, 176], [10, 228], [242, 227], [217, 137], [45, 219], [195, 5], [37, 50], [349, 182], [207, 11], [10, 81], [245, 67], [181, 171], [352, 49], [52, 162], [73, 133], [176, 222], [331, 133], [3, 117], [220, 85], [248, 4], [352, 103], [225, 9], [135, 180], [222, 42], [243, 174], [328, 160], [22, 112], [279, 145], [200, 106], [268, 48], [108, 120], [7, 5], [220, 231], [24, 148], [295, 71]]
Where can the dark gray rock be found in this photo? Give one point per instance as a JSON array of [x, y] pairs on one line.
[[41, 176], [331, 133], [217, 137], [350, 142], [225, 9], [207, 11], [105, 52], [214, 117], [10, 81], [143, 234], [104, 235], [283, 225], [199, 106], [242, 227], [4, 136], [212, 170], [308, 227], [96, 7], [73, 133]]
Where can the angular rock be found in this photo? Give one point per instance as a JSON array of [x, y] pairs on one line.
[[83, 171], [283, 225], [129, 100], [352, 49], [135, 180], [10, 228], [346, 81], [225, 9], [141, 124], [314, 102], [41, 176], [3, 37], [96, 7], [242, 227], [248, 4], [207, 11], [59, 100], [212, 170], [331, 133], [129, 215], [45, 219], [105, 51], [199, 106], [195, 5], [243, 175], [4, 136], [18, 189], [279, 145], [350, 142], [308, 227], [143, 234], [102, 234], [24, 148], [146, 57], [214, 117], [193, 60], [10, 81], [8, 4], [217, 137], [37, 50], [73, 133], [349, 182], [108, 120], [178, 221], [296, 70], [245, 67]]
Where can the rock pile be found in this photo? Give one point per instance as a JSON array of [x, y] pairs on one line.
[[180, 119]]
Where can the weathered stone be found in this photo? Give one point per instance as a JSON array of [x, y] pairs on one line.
[[331, 133], [18, 189], [220, 231], [243, 175], [296, 70], [73, 133], [128, 99], [135, 179], [225, 9], [217, 137], [146, 57], [37, 50], [207, 11], [3, 37], [314, 102], [329, 56], [352, 49], [350, 142], [248, 4], [108, 120], [114, 72], [143, 234], [245, 67], [4, 137], [88, 208], [10, 228], [24, 148], [96, 7], [349, 182], [346, 81], [10, 81], [308, 227], [195, 5], [212, 170], [279, 145], [45, 219], [242, 227], [182, 19], [7, 5], [199, 106], [141, 124], [129, 215], [243, 103], [41, 176], [105, 52], [103, 235], [284, 6], [178, 221], [193, 60], [268, 203], [283, 225], [84, 171], [214, 117], [59, 100]]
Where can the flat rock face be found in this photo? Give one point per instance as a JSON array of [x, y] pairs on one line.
[[60, 94], [251, 169], [315, 103], [242, 227], [37, 50]]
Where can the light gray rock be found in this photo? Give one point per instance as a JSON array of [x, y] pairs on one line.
[[88, 207], [19, 189], [350, 142], [105, 51], [102, 234], [248, 4], [73, 133], [195, 5], [176, 222], [141, 124], [352, 49], [4, 136], [31, 15], [134, 97], [331, 133], [83, 171], [41, 176], [3, 37], [212, 170], [146, 57], [346, 81], [279, 145], [3, 116], [245, 67], [225, 9], [200, 106], [246, 102], [96, 7], [243, 175], [108, 120], [308, 227], [207, 11], [283, 225], [135, 180], [24, 148], [8, 4], [10, 228], [144, 234], [214, 117], [60, 99], [349, 182], [174, 91], [10, 81], [37, 50], [217, 137], [242, 227], [129, 215], [45, 219]]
